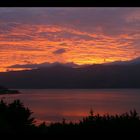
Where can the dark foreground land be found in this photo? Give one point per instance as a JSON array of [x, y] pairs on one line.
[[16, 119], [4, 90]]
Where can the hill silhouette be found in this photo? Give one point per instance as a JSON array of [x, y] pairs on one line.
[[62, 76]]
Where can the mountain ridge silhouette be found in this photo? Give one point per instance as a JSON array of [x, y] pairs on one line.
[[60, 76]]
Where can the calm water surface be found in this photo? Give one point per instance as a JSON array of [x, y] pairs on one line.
[[52, 105]]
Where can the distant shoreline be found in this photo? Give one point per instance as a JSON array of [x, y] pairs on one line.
[[8, 91]]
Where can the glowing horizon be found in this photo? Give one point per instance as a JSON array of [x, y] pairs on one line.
[[78, 35]]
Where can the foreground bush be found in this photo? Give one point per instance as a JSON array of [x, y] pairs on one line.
[[15, 118]]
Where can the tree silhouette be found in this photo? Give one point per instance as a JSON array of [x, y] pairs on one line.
[[15, 117]]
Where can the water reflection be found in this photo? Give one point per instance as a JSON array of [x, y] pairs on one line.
[[53, 105]]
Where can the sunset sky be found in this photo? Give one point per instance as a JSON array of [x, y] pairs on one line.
[[79, 35]]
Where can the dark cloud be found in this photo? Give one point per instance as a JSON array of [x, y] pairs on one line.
[[59, 51], [70, 35], [55, 36], [110, 20], [45, 64], [30, 65], [18, 37], [5, 47], [50, 47]]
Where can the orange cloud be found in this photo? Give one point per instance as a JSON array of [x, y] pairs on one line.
[[32, 43]]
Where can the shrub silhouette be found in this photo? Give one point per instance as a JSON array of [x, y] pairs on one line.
[[126, 122]]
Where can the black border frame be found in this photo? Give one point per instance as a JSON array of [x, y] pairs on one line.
[[69, 3]]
